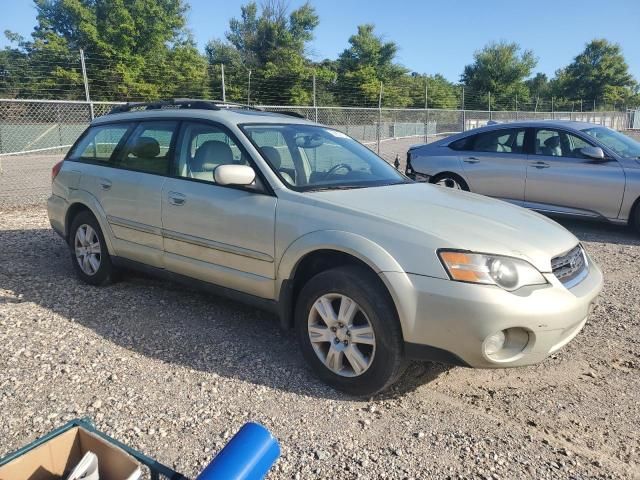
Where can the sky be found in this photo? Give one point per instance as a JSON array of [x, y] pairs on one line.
[[433, 37]]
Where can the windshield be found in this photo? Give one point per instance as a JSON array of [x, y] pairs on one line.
[[310, 157], [616, 141]]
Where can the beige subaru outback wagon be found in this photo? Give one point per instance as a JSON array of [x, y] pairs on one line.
[[369, 267]]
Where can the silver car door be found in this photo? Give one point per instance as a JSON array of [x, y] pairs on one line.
[[560, 179], [218, 234], [130, 193], [495, 164]]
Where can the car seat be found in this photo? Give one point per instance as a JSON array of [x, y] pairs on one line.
[[273, 155], [208, 157]]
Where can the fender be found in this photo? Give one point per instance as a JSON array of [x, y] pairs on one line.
[[88, 200], [353, 244]]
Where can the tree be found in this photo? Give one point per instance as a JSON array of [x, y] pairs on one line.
[[499, 69], [135, 49], [271, 43], [599, 73], [366, 63]]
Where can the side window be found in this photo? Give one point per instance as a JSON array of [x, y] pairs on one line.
[[148, 148], [557, 143], [461, 144], [203, 148], [547, 142], [575, 144], [99, 143], [509, 140]]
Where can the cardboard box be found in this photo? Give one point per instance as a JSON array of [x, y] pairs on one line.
[[58, 456]]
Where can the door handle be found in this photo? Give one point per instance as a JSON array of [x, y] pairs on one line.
[[541, 165], [105, 183], [471, 160], [177, 199]]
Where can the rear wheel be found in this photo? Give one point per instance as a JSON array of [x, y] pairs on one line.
[[450, 180], [634, 219], [349, 332], [89, 254]]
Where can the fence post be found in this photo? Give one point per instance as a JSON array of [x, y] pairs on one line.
[[379, 129], [59, 121], [315, 105], [490, 114], [464, 113], [426, 110], [86, 83], [516, 106], [224, 91], [553, 113], [249, 90]]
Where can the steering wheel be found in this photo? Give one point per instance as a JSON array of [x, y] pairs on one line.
[[337, 167]]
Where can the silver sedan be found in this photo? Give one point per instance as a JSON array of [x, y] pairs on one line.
[[556, 167]]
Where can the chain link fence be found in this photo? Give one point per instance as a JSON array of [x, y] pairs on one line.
[[34, 134]]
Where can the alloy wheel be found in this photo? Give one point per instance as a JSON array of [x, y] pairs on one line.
[[87, 249], [341, 335]]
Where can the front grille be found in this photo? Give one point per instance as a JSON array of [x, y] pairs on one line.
[[571, 267]]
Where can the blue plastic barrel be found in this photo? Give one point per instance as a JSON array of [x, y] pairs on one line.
[[248, 456]]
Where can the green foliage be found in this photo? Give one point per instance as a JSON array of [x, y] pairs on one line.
[[134, 48], [499, 68], [600, 72], [271, 44]]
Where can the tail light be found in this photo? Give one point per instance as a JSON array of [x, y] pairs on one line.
[[56, 170]]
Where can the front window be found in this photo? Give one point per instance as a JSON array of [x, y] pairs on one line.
[[618, 142], [309, 157]]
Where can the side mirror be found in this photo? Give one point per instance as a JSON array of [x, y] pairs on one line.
[[594, 153], [234, 175]]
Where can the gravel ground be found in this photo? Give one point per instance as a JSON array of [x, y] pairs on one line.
[[174, 373]]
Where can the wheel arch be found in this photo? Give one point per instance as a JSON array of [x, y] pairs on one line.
[[83, 201], [453, 174], [319, 251]]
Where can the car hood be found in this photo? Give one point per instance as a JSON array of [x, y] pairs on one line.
[[461, 220]]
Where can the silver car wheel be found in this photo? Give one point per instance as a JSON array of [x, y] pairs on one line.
[[341, 335], [87, 248], [449, 182]]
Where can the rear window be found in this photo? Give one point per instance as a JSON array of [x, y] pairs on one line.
[[99, 143]]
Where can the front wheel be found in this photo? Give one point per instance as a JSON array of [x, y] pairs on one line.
[[349, 331], [450, 180]]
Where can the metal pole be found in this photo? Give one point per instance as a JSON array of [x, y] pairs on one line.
[[464, 113], [86, 83], [553, 113], [490, 115], [224, 91], [379, 119], [315, 105], [249, 90], [536, 107], [516, 106], [426, 110]]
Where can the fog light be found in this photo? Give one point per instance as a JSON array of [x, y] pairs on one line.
[[494, 343]]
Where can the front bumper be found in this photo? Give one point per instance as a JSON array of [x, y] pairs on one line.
[[450, 321]]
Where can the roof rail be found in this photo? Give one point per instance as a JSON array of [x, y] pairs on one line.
[[193, 103]]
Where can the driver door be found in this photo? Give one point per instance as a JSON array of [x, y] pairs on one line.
[[560, 179], [220, 234]]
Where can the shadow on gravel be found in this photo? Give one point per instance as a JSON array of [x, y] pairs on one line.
[[166, 321], [601, 232]]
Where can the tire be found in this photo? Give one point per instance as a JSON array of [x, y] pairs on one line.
[[98, 269], [635, 218], [450, 180], [384, 358]]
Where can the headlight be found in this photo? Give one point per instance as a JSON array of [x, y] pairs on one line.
[[506, 272]]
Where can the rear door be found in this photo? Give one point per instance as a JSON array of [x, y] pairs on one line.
[[220, 234], [130, 193], [494, 163], [560, 179]]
